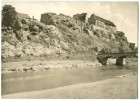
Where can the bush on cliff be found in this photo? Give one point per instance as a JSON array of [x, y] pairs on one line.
[[8, 15], [120, 33], [124, 47]]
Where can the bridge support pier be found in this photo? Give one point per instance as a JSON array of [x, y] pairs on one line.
[[120, 61], [103, 61]]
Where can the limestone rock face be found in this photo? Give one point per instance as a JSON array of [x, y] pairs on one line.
[[33, 49], [59, 34], [112, 36], [100, 33], [7, 50], [52, 30]]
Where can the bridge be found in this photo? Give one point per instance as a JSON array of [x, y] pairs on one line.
[[102, 58]]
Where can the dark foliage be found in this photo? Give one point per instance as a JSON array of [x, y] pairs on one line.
[[8, 15]]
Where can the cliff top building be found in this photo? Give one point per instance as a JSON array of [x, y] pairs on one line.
[[102, 23], [98, 22], [81, 17], [82, 20], [94, 18], [46, 18], [22, 15]]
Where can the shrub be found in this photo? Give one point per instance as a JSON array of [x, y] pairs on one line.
[[8, 15]]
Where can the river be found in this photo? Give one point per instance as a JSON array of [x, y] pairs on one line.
[[33, 81]]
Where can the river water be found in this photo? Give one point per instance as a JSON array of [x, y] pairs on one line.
[[33, 81]]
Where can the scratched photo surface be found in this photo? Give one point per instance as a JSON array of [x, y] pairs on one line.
[[69, 50]]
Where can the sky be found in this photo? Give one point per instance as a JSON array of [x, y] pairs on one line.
[[122, 14]]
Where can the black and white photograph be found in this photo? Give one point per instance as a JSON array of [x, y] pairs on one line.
[[69, 49]]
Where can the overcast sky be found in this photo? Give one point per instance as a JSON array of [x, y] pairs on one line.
[[123, 14]]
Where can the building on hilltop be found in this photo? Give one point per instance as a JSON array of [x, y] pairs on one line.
[[46, 18], [102, 23], [96, 21], [61, 19], [22, 15], [81, 17], [52, 19], [65, 16], [79, 22]]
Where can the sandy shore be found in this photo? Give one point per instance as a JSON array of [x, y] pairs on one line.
[[117, 88], [36, 65]]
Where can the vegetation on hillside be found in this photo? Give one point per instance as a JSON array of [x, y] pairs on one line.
[[8, 15], [29, 37]]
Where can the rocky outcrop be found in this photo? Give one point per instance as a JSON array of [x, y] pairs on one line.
[[58, 34]]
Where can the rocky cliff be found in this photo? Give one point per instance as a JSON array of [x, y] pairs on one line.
[[58, 35]]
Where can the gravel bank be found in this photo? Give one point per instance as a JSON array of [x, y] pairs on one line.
[[36, 65]]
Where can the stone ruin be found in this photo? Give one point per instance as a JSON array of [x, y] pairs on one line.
[[82, 23]]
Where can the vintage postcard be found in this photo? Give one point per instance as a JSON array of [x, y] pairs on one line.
[[69, 50]]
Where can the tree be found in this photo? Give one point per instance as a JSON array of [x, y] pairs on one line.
[[136, 49], [8, 15]]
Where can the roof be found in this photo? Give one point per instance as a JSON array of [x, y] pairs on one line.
[[64, 15], [80, 17], [23, 15], [104, 20], [48, 13]]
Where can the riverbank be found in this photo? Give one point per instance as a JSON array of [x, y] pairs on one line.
[[116, 88], [43, 65], [38, 65]]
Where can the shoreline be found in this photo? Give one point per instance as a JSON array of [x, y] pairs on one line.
[[35, 66], [44, 65]]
